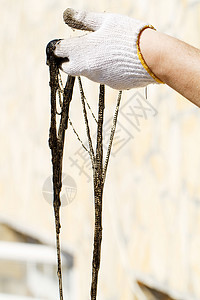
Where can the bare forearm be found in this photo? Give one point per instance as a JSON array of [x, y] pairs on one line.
[[174, 62]]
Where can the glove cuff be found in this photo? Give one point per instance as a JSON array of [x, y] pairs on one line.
[[141, 58]]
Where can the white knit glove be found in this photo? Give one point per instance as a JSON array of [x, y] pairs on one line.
[[110, 54]]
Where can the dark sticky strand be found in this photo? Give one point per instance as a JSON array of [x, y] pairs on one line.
[[83, 96], [98, 195], [112, 133], [86, 121], [56, 142], [146, 92]]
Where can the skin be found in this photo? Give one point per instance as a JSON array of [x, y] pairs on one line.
[[174, 62]]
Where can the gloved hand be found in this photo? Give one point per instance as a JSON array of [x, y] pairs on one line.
[[110, 54]]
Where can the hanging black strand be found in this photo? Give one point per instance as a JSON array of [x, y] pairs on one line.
[[98, 195], [56, 142]]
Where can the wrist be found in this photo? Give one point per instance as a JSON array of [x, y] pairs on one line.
[[150, 50]]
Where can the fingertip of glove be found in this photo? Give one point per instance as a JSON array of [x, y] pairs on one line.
[[76, 19], [68, 15]]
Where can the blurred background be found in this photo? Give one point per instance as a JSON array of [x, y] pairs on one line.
[[151, 210]]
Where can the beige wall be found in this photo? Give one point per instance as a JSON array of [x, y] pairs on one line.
[[152, 194]]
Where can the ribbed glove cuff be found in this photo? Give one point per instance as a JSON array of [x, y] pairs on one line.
[[141, 58]]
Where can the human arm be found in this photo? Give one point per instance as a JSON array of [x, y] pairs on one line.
[[174, 62]]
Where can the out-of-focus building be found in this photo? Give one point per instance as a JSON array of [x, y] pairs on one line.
[[28, 265], [151, 210]]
